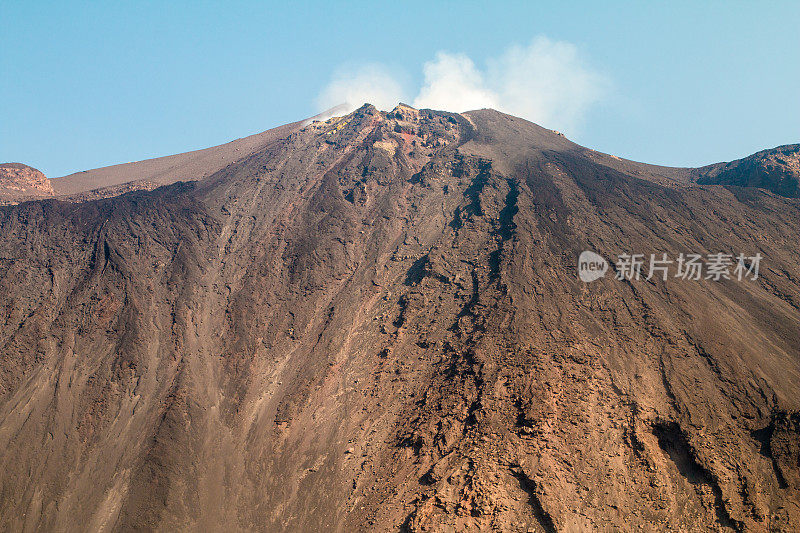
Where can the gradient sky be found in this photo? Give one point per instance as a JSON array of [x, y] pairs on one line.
[[85, 85]]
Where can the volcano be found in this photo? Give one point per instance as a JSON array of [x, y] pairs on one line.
[[376, 322]]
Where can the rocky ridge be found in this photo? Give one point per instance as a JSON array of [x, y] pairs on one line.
[[21, 181], [777, 170]]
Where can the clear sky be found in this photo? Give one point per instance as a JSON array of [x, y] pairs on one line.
[[84, 85]]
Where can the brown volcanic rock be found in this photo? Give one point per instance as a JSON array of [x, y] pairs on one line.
[[188, 166], [776, 169], [18, 181], [375, 323]]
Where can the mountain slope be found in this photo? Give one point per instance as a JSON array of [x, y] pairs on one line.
[[777, 170], [19, 182], [187, 166], [375, 323]]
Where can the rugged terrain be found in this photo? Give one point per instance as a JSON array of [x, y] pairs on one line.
[[777, 170], [375, 323], [18, 181]]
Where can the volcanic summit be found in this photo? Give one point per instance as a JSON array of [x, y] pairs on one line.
[[375, 323]]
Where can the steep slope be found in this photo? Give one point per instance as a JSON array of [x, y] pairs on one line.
[[376, 323], [20, 182], [188, 166]]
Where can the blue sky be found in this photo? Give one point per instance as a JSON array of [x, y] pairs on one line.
[[85, 85]]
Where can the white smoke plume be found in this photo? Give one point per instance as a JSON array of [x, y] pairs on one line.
[[546, 82], [372, 83], [453, 83]]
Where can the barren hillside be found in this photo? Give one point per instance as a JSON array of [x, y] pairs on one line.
[[375, 323]]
